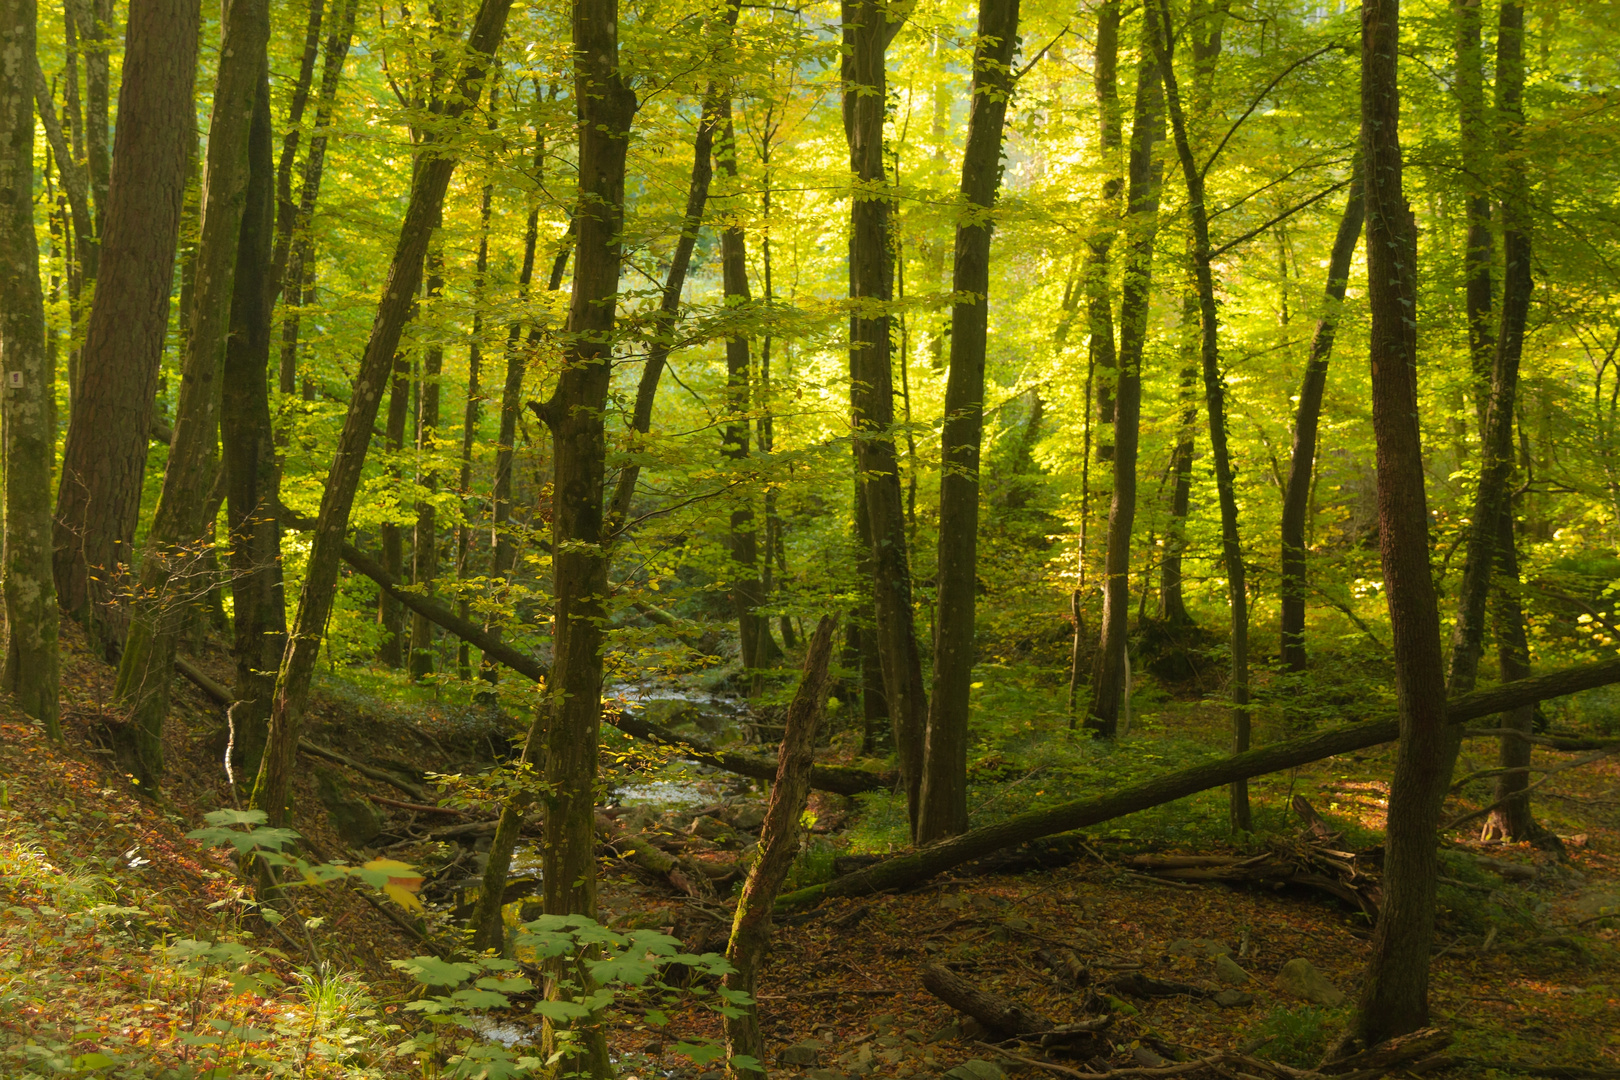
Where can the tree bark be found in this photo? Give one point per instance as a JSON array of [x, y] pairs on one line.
[[31, 665], [1142, 225], [96, 27], [390, 615], [747, 592], [1394, 998], [1099, 296], [286, 212], [252, 476], [867, 33], [905, 871], [425, 546], [778, 845], [399, 291], [172, 566], [74, 183], [104, 457], [1474, 129], [1214, 405], [944, 810], [470, 417], [1307, 418]]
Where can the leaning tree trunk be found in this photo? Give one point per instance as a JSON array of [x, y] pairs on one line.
[[944, 810], [253, 479], [867, 33], [428, 186], [778, 845], [747, 591], [1158, 16], [173, 566], [31, 665], [1142, 226], [1395, 995], [906, 871], [104, 457], [1307, 417]]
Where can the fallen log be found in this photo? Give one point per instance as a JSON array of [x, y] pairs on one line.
[[1392, 1054], [904, 871], [307, 747], [1003, 1016], [839, 779], [683, 875]]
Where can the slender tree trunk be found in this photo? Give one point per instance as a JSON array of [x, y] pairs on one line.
[[1099, 245], [286, 208], [96, 30], [575, 415], [173, 565], [944, 782], [1214, 406], [1307, 418], [75, 185], [1394, 996], [28, 439], [778, 845], [293, 264], [470, 418], [867, 33], [390, 615], [1496, 456], [715, 107], [404, 276], [1477, 176], [1146, 174], [104, 457], [425, 547], [747, 592], [253, 479], [1172, 594]]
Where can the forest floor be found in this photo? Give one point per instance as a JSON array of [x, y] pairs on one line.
[[127, 949]]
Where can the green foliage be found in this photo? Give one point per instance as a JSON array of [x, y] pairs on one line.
[[1297, 1036]]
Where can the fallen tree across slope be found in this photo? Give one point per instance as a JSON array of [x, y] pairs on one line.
[[906, 870]]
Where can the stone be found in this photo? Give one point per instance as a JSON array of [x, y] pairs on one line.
[[1233, 999], [823, 1074], [1214, 949], [1183, 947], [356, 820], [1227, 970], [1147, 1058], [803, 1054], [748, 817], [950, 1031], [976, 1069], [1299, 978]]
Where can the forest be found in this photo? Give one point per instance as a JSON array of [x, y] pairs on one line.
[[703, 539]]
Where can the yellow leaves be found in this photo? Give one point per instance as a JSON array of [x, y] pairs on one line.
[[404, 881]]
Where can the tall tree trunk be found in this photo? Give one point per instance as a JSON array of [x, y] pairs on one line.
[[470, 418], [944, 782], [1205, 25], [1142, 226], [31, 664], [778, 845], [758, 648], [1474, 128], [104, 457], [867, 33], [293, 264], [1394, 996], [1099, 294], [74, 183], [286, 209], [425, 547], [253, 479], [96, 31], [1214, 405], [173, 562], [1172, 592], [404, 276], [1307, 418], [390, 614], [575, 413]]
